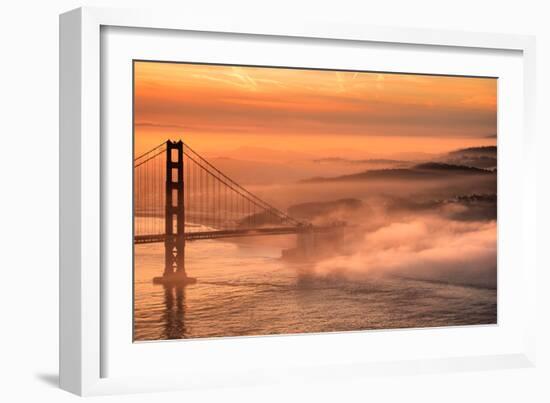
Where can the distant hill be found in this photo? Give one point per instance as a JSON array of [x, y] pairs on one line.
[[478, 157], [374, 161], [427, 170], [475, 206], [440, 166], [486, 150]]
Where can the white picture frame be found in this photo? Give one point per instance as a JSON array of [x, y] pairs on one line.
[[85, 346]]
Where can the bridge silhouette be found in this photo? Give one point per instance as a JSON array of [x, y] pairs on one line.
[[180, 197]]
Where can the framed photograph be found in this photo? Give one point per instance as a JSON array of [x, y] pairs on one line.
[[251, 203]]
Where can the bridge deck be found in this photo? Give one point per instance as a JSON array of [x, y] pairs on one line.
[[234, 233]]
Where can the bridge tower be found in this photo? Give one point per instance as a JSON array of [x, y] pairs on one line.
[[174, 243]]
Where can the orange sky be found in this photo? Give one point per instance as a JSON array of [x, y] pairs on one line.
[[324, 113]]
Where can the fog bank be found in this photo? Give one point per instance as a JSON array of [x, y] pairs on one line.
[[426, 247]]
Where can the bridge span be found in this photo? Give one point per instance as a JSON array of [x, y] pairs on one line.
[[219, 234], [180, 197]]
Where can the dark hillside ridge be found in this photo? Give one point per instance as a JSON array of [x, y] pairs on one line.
[[450, 167], [428, 170], [476, 150]]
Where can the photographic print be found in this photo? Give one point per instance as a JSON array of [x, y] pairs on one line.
[[272, 200]]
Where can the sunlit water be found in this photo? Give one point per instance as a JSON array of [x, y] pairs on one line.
[[246, 289]]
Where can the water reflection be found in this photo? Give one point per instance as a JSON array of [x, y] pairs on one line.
[[174, 312]]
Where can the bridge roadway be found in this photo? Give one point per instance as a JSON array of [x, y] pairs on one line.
[[235, 233]]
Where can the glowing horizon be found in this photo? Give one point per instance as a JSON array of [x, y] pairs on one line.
[[220, 108]]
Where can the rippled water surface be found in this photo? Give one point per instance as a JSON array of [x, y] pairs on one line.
[[246, 289]]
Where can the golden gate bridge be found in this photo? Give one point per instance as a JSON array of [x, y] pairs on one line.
[[179, 197]]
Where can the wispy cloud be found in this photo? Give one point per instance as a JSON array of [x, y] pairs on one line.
[[293, 102]]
